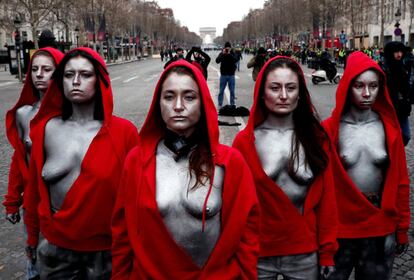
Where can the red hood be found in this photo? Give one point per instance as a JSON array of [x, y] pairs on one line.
[[257, 115], [153, 128], [27, 97], [52, 103], [357, 63]]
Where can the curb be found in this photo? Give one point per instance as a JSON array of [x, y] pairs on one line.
[[127, 61]]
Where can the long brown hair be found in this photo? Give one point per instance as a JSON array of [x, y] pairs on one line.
[[308, 130], [200, 161]]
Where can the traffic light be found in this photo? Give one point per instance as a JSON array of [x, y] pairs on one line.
[[17, 37]]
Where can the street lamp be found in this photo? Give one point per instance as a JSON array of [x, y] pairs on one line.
[[397, 31], [77, 36], [17, 42]]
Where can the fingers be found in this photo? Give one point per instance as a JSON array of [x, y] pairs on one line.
[[13, 217]]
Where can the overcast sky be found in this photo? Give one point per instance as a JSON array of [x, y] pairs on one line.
[[209, 13]]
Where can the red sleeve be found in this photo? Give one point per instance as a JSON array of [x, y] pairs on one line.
[[248, 251], [122, 254], [403, 198], [31, 202], [327, 220], [14, 199]]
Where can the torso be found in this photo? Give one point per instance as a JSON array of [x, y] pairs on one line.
[[23, 117], [273, 147], [181, 207], [363, 152], [65, 145]]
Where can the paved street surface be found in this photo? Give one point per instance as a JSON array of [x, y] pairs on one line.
[[133, 85]]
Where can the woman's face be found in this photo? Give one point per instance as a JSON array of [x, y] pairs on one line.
[[79, 80], [364, 90], [180, 103], [42, 70], [281, 91]]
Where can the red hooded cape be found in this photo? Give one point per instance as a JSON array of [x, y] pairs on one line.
[[142, 246], [358, 218], [284, 231], [84, 221], [19, 170]]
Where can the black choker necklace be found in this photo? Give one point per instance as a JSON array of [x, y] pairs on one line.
[[179, 145]]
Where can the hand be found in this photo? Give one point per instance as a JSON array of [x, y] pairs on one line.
[[401, 249], [31, 254], [13, 218], [326, 271]]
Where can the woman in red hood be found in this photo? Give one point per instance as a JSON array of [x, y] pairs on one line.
[[371, 181], [41, 67], [76, 164], [288, 153], [187, 207]]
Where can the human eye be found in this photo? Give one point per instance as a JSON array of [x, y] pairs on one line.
[[374, 85], [168, 96], [291, 88], [358, 85], [34, 69], [68, 74], [87, 74], [190, 97]]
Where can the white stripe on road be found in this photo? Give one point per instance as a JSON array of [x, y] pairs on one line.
[[8, 83], [116, 78], [227, 94], [150, 78], [130, 79]]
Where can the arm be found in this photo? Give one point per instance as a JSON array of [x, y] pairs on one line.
[[189, 54], [13, 199], [219, 58], [251, 62], [206, 57]]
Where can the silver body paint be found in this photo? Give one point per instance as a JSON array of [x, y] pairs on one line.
[[273, 147], [65, 144], [181, 207], [363, 152]]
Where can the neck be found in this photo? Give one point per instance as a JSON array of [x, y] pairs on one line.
[[355, 115], [279, 121], [83, 112]]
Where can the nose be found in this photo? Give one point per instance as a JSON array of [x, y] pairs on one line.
[[76, 79], [283, 94], [39, 72], [365, 92], [178, 105]]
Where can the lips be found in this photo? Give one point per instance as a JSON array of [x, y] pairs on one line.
[[179, 118]]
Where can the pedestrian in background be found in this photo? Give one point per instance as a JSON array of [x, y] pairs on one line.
[[187, 207], [288, 153], [75, 168], [239, 56], [227, 60], [370, 174], [179, 54], [200, 59], [257, 62], [41, 68], [398, 85]]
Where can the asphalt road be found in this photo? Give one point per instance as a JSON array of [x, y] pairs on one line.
[[133, 85]]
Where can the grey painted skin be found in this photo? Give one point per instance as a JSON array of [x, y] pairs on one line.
[[181, 206]]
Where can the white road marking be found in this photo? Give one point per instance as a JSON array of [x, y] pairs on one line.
[[8, 83], [150, 78], [130, 79], [116, 78]]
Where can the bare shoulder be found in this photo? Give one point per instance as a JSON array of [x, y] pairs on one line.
[[53, 127]]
